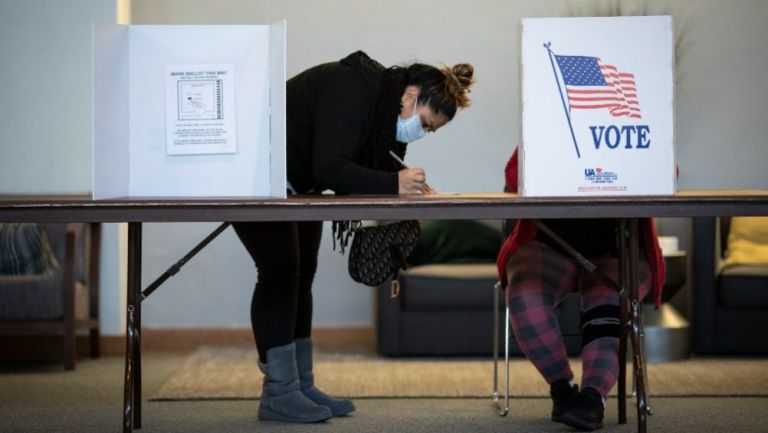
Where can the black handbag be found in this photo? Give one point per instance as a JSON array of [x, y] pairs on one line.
[[380, 251]]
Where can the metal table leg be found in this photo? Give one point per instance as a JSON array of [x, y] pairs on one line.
[[637, 331], [128, 385], [132, 387], [137, 338], [503, 408], [132, 390], [632, 321], [624, 323]]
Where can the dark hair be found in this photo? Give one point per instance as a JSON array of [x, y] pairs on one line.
[[445, 89]]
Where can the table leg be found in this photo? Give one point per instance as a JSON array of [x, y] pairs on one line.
[[132, 397], [502, 407], [128, 384], [638, 350], [623, 320], [136, 289], [132, 386]]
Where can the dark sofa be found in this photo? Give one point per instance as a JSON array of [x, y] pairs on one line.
[[446, 308], [730, 305]]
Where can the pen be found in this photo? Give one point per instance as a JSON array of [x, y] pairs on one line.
[[398, 159], [426, 189]]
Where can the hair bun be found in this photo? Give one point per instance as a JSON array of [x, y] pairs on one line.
[[463, 73], [459, 80]]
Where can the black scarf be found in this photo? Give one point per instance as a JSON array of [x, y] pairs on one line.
[[375, 151]]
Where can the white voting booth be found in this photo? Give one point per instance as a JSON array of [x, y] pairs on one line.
[[188, 110], [598, 106]]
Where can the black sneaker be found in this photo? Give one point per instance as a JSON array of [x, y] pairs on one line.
[[561, 392], [584, 411]]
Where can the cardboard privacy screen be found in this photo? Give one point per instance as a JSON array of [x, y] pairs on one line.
[[598, 106], [182, 110]]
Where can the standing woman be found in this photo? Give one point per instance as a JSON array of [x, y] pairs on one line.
[[343, 120]]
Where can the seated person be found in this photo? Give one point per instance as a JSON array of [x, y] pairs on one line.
[[537, 274]]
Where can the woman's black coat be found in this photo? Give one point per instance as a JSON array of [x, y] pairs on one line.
[[331, 112]]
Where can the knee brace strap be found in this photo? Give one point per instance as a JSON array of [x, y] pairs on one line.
[[599, 322]]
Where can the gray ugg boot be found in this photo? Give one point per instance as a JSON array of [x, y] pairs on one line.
[[338, 406], [281, 398]]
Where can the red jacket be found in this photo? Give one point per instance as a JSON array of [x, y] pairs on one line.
[[525, 231]]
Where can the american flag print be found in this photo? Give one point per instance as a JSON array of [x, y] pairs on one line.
[[590, 84]]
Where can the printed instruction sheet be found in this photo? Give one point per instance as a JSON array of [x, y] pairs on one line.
[[200, 109]]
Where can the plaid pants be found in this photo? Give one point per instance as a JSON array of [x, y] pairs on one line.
[[539, 278]]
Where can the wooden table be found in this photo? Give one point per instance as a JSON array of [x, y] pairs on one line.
[[136, 211]]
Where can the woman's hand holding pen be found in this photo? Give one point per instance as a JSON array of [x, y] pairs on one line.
[[413, 181]]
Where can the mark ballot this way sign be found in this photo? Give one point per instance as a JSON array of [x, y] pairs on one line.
[[598, 106]]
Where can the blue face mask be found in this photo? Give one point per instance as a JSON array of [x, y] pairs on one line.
[[410, 129]]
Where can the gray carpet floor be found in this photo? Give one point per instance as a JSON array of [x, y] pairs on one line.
[[42, 398]]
